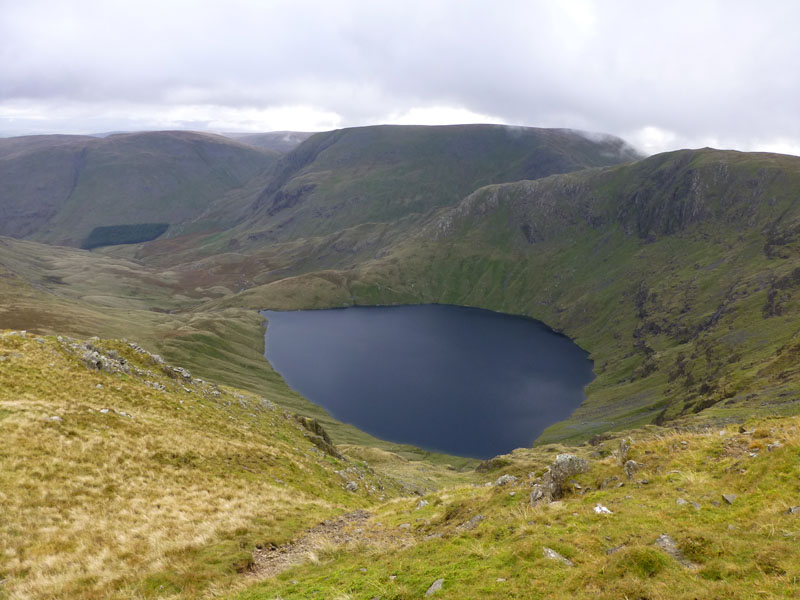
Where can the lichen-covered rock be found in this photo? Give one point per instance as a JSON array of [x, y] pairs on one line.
[[553, 555], [668, 545], [552, 484], [435, 587], [623, 451], [471, 524], [631, 466], [506, 479]]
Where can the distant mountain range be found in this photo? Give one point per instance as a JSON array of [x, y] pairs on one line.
[[677, 271]]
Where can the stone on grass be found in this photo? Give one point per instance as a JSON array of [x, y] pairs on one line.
[[435, 587], [631, 467], [506, 479], [553, 555], [623, 450], [668, 545], [794, 510], [352, 486], [471, 524], [729, 498]]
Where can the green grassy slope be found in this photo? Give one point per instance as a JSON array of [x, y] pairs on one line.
[[279, 141], [56, 189], [48, 289], [342, 178], [677, 273], [490, 543]]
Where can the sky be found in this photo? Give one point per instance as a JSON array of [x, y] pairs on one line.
[[662, 75]]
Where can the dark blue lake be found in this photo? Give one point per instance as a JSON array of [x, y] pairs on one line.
[[451, 379]]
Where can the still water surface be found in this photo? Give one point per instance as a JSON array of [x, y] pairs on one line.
[[458, 380]]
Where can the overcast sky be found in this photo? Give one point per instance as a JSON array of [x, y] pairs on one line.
[[661, 74]]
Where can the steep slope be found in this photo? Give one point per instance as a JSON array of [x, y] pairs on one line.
[[279, 141], [346, 177], [677, 273], [122, 476], [57, 189]]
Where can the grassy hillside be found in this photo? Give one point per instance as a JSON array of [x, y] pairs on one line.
[[279, 141], [490, 542], [677, 273], [56, 189], [342, 178], [52, 290], [156, 483]]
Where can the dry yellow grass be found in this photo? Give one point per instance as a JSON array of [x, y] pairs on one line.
[[110, 487]]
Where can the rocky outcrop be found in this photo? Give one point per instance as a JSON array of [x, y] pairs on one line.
[[551, 486], [318, 436]]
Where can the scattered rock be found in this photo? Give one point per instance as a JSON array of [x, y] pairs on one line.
[[471, 524], [500, 579], [615, 549], [631, 467], [623, 450], [729, 498], [422, 504], [681, 502], [351, 486], [435, 587], [607, 482], [602, 510], [404, 526], [57, 419], [392, 577], [553, 555], [794, 510], [668, 545], [774, 446], [506, 479]]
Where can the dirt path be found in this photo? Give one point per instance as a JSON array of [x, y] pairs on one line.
[[351, 529]]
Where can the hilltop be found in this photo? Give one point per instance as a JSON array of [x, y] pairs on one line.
[[279, 141], [346, 177], [58, 188]]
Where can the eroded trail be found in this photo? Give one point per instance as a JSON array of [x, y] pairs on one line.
[[352, 529]]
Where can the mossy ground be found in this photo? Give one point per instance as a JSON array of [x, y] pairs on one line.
[[744, 550]]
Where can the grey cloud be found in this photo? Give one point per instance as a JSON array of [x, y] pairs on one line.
[[712, 70]]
